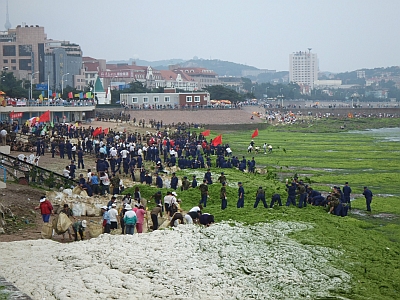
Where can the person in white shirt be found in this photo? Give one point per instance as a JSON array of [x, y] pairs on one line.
[[89, 176], [113, 152], [73, 149], [124, 153], [167, 202], [140, 152], [105, 183], [3, 134], [113, 216], [66, 172]]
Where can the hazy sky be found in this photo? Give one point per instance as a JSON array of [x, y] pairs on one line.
[[346, 34]]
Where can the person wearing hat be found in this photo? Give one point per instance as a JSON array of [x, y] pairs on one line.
[[106, 219], [222, 178], [368, 197], [185, 184], [80, 227], [113, 216], [240, 202], [46, 209], [222, 195], [157, 210], [130, 220]]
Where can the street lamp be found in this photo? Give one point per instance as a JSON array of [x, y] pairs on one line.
[[62, 84], [32, 75]]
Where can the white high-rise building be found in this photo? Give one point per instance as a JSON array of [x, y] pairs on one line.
[[303, 68]]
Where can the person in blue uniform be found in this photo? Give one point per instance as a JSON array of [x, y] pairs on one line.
[[347, 193], [260, 195], [240, 202], [208, 177], [275, 198], [194, 182], [368, 197], [159, 181], [291, 189], [174, 181], [80, 158]]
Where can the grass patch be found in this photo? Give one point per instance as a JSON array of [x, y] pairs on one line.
[[329, 156]]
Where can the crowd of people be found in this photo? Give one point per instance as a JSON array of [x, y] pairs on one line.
[[128, 154]]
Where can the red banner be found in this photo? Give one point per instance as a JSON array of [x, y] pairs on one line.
[[14, 115]]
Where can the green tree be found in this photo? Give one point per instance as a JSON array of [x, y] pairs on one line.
[[11, 86], [219, 92]]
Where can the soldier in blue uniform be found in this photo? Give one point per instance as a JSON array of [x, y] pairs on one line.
[[368, 197]]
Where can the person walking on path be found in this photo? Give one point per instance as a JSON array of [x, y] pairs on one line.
[[46, 209], [240, 202], [368, 197]]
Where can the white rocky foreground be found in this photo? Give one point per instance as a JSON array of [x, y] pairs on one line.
[[224, 261]]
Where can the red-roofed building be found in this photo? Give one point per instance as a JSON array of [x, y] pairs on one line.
[[202, 76]]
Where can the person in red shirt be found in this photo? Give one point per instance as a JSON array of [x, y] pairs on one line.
[[46, 209]]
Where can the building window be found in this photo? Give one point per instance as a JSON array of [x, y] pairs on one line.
[[13, 61], [5, 61], [134, 100], [196, 98], [9, 50], [156, 99], [25, 50], [145, 99], [167, 99], [188, 98], [13, 67]]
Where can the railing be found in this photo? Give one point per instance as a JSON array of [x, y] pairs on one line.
[[5, 173], [27, 173], [36, 103]]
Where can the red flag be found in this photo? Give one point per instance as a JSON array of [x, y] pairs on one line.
[[206, 133], [97, 131], [106, 131], [45, 117], [217, 140], [255, 133], [70, 96]]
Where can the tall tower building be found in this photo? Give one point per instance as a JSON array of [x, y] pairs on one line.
[[303, 69], [7, 25]]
